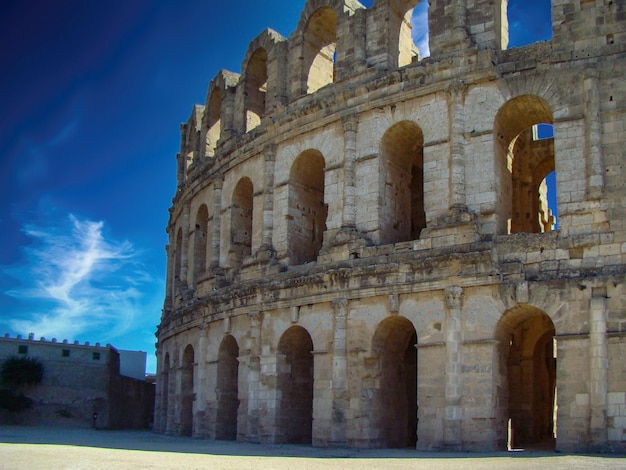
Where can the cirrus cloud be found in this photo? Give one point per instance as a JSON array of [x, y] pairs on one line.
[[75, 282]]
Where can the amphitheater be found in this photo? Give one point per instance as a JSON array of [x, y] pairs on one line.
[[361, 252]]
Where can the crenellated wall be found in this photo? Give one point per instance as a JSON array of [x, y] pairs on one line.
[[365, 232]]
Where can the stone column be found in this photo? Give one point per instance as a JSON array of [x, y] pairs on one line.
[[184, 256], [593, 134], [452, 423], [158, 391], [217, 223], [350, 125], [254, 376], [598, 364], [340, 402], [456, 94], [268, 198]]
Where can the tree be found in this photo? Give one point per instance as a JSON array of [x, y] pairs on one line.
[[21, 371], [15, 373]]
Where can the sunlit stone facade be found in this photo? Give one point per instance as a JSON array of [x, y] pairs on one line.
[[360, 248]]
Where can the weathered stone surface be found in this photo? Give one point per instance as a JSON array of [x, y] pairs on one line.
[[370, 238]]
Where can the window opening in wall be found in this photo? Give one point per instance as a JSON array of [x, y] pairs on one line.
[[295, 384], [241, 223], [178, 261], [307, 210], [529, 359], [22, 349], [256, 88], [526, 165], [320, 43], [187, 393], [95, 356], [227, 389], [402, 215], [214, 124], [200, 241], [394, 403], [65, 353], [530, 21]]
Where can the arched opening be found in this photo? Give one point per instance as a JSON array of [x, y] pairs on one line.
[[523, 160], [178, 260], [409, 23], [394, 404], [528, 25], [227, 389], [320, 42], [402, 215], [256, 88], [307, 210], [295, 386], [527, 352], [165, 392], [214, 122], [241, 223], [200, 243], [187, 393]]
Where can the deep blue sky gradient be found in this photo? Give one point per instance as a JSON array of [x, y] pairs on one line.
[[92, 96]]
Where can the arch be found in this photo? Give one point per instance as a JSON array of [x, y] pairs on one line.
[[394, 403], [523, 161], [307, 210], [191, 139], [227, 389], [295, 386], [187, 392], [213, 121], [527, 26], [178, 260], [165, 392], [527, 380], [401, 30], [200, 240], [320, 43], [255, 88], [402, 215], [241, 222]]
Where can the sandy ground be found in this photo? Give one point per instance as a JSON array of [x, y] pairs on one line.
[[23, 447]]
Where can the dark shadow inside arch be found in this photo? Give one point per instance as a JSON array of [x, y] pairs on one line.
[[227, 389], [528, 381], [187, 393], [394, 407], [295, 386]]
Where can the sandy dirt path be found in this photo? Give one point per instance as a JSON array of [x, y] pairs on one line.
[[57, 448]]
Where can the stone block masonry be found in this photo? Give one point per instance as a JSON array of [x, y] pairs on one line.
[[361, 250]]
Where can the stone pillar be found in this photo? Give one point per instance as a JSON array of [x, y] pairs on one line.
[[350, 125], [158, 391], [184, 256], [254, 376], [452, 438], [217, 223], [593, 134], [268, 198], [340, 401], [456, 94], [598, 368]]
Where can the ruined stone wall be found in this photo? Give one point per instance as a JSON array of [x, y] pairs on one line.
[[368, 242]]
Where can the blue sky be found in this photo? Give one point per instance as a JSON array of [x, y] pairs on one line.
[[93, 94]]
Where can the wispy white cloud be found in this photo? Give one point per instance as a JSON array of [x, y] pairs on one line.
[[78, 282]]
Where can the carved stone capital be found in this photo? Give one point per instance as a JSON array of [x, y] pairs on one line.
[[454, 295]]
